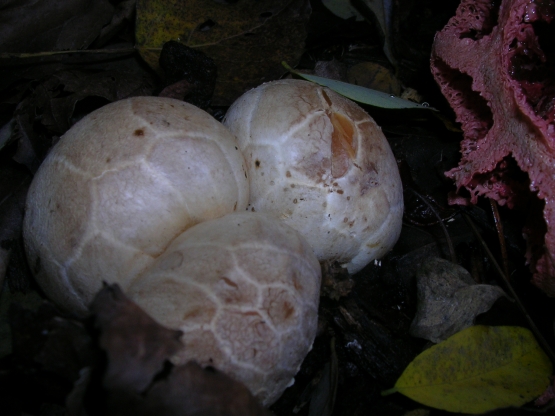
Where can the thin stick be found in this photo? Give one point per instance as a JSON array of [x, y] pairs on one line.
[[531, 323], [449, 242], [501, 235], [7, 55]]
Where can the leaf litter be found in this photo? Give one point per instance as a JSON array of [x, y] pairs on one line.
[[50, 25], [234, 35], [139, 378]]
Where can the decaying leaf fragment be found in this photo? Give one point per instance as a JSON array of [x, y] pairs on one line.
[[57, 100], [189, 74], [191, 390], [448, 300], [45, 25], [479, 369], [374, 76], [139, 378], [247, 40], [136, 344]]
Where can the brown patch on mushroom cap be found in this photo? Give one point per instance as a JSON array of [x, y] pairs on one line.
[[343, 144]]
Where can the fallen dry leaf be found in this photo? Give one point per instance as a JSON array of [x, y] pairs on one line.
[[193, 391], [136, 345], [51, 25], [247, 40], [448, 300], [122, 17], [333, 69], [374, 76], [190, 75], [139, 378], [61, 100]]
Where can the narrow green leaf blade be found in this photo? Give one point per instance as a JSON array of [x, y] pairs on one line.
[[360, 94], [478, 370]]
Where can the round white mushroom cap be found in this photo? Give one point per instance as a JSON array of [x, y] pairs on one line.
[[119, 186], [319, 162], [244, 289]]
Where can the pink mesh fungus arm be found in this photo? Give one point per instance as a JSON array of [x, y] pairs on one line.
[[494, 62]]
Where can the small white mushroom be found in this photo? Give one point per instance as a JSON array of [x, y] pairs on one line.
[[119, 186], [320, 163], [244, 290]]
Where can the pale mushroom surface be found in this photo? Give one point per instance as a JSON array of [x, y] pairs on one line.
[[244, 289], [319, 162], [119, 186]]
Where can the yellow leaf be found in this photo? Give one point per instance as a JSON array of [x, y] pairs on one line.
[[477, 370], [247, 39]]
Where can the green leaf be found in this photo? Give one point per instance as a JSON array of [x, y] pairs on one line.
[[343, 9], [360, 94], [477, 370]]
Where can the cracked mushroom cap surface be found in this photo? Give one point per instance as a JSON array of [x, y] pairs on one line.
[[320, 163], [244, 289], [119, 186]]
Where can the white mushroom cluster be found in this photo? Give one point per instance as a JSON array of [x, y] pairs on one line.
[[320, 163], [156, 195], [122, 184], [244, 289]]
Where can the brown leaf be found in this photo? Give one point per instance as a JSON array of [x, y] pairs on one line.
[[191, 390], [123, 16], [46, 25], [190, 75], [51, 109], [136, 345], [137, 348], [374, 76], [60, 93], [333, 69]]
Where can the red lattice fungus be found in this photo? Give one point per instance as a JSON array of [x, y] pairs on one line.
[[494, 62]]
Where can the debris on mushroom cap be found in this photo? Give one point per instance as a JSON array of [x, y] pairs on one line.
[[119, 186], [490, 65], [319, 162], [244, 290]]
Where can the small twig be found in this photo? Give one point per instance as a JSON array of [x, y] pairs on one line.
[[490, 255], [501, 235], [517, 300], [8, 55], [447, 237]]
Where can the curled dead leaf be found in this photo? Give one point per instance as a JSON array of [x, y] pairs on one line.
[[136, 345], [448, 300], [139, 379]]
